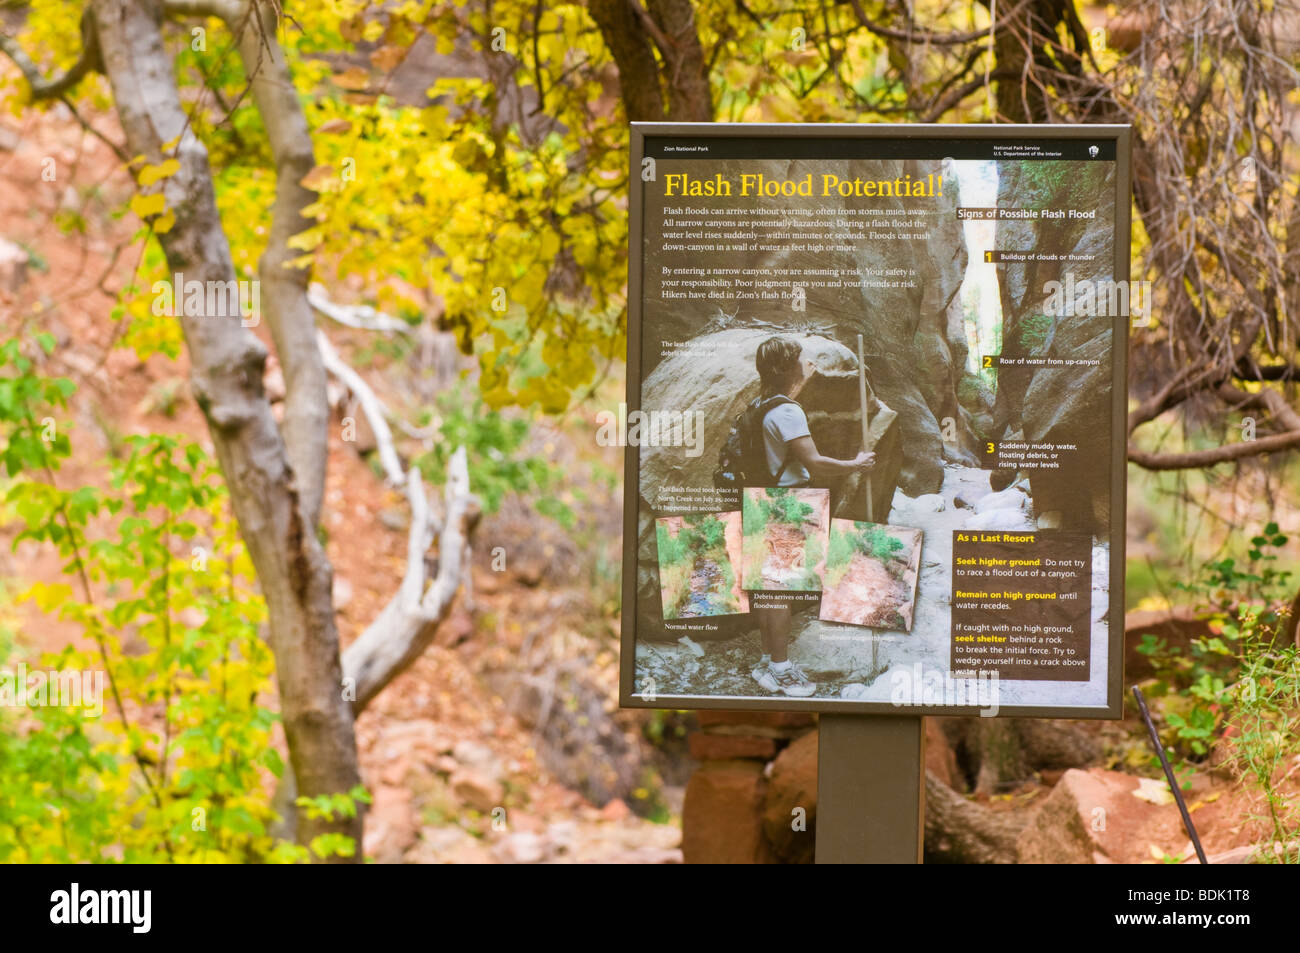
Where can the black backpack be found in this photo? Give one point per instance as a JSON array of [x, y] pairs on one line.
[[743, 458]]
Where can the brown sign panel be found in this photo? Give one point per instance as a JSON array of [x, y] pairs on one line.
[[874, 418]]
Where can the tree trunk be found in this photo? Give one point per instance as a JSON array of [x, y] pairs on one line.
[[998, 755], [227, 367], [638, 72], [997, 752], [289, 312], [958, 831], [680, 74], [687, 75]]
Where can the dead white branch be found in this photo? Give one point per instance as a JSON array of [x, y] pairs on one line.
[[371, 406], [406, 626], [359, 316]]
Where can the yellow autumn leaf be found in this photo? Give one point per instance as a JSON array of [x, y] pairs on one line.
[[147, 205], [155, 173], [306, 240], [1153, 791], [164, 223], [49, 596], [779, 109], [738, 74]]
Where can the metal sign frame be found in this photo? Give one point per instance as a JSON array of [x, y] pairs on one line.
[[805, 136]]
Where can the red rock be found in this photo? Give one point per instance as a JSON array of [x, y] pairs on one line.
[[616, 810], [524, 847], [793, 785], [455, 629], [711, 747], [391, 827], [1093, 817], [721, 819], [1178, 627], [394, 771], [477, 790]]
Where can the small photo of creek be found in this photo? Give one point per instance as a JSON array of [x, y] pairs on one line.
[[699, 560]]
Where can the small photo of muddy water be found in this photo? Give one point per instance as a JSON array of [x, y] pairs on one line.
[[871, 575]]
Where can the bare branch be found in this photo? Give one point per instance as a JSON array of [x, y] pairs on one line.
[[371, 406], [54, 88], [359, 316], [1195, 459], [289, 315], [407, 625]]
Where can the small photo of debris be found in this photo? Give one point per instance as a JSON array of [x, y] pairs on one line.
[[785, 537]]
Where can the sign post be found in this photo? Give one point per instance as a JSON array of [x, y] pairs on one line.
[[870, 790]]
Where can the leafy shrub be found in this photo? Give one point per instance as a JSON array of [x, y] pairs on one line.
[[672, 549], [1265, 742], [497, 457], [706, 533], [1239, 687], [785, 507], [754, 514], [1198, 682], [180, 765], [879, 543]]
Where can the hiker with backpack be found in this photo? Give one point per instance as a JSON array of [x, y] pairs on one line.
[[771, 445]]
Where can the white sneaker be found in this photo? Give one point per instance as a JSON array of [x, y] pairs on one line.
[[793, 682], [767, 678]]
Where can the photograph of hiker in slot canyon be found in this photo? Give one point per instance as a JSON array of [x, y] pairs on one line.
[[848, 415], [784, 528]]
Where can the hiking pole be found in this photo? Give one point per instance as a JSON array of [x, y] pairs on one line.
[[1169, 773], [866, 419], [866, 436]]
